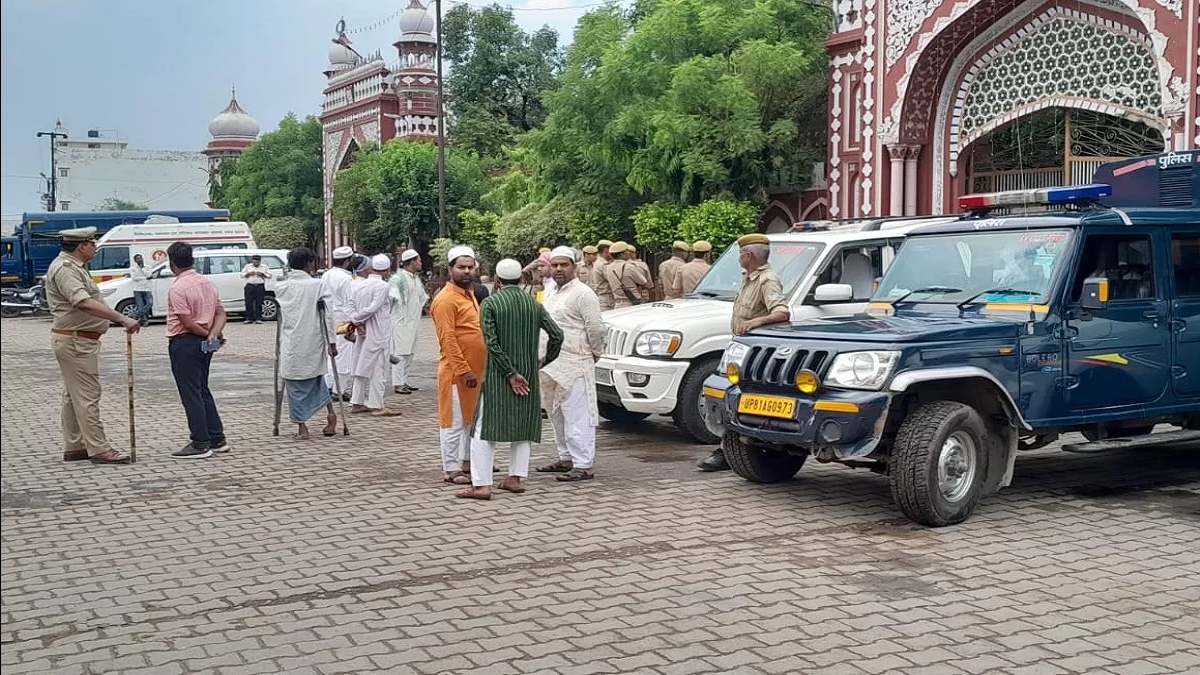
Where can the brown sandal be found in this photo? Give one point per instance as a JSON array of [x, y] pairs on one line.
[[470, 493], [559, 466], [111, 457], [454, 477]]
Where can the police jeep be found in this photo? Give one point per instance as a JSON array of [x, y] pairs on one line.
[[993, 333]]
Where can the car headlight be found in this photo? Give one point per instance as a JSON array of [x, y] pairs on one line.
[[861, 370], [105, 292], [734, 354], [657, 343]]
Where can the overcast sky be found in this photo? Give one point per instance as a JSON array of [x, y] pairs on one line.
[[156, 71]]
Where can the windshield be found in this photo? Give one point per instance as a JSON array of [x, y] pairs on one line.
[[790, 260], [988, 267]]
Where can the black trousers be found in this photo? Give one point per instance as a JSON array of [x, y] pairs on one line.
[[254, 294], [190, 367]]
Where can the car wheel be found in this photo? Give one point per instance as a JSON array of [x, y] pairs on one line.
[[619, 415], [938, 463], [689, 412], [270, 308], [757, 464], [127, 308], [7, 312]]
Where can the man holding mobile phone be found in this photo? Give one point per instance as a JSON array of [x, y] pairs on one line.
[[195, 321]]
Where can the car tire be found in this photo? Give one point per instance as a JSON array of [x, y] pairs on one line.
[[688, 414], [618, 415], [939, 462], [758, 465], [127, 308], [270, 308], [8, 312]]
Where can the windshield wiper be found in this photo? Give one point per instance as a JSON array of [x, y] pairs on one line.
[[995, 291], [927, 289]]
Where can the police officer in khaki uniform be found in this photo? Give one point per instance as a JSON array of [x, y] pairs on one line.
[[695, 269], [759, 302], [587, 269], [80, 320], [627, 279], [604, 292], [668, 271]]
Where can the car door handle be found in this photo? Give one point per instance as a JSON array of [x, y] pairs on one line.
[[1150, 315]]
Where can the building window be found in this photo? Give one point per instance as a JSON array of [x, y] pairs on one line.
[[64, 206], [62, 172], [93, 146]]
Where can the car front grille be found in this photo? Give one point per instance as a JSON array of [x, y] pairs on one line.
[[616, 342], [779, 365]]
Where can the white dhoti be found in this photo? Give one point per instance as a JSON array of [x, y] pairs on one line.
[[400, 370], [456, 440], [574, 425], [483, 455]]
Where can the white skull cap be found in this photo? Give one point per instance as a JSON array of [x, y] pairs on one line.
[[381, 262], [563, 252], [460, 251], [508, 269]]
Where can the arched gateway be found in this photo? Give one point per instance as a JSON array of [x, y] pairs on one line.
[[931, 99]]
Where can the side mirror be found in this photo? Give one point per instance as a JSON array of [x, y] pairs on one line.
[[1095, 293], [827, 293]]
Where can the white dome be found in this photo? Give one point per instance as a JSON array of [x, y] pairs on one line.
[[341, 55], [233, 122], [417, 19]]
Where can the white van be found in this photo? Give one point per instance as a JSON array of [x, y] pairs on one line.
[[657, 355], [223, 267], [115, 250]]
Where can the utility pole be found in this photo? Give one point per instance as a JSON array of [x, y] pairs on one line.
[[443, 227], [52, 201]]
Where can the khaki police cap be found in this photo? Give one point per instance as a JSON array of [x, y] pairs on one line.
[[631, 248], [751, 239], [78, 234], [604, 243], [590, 249], [702, 246], [543, 249], [681, 246], [618, 247]]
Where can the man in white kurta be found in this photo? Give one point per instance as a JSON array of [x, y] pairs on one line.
[[306, 338], [372, 318], [408, 299], [336, 287], [569, 382]]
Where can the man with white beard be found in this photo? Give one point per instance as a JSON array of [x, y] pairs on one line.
[[336, 287], [408, 298], [372, 314], [569, 382]]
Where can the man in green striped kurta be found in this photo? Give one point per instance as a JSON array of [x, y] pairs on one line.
[[509, 401]]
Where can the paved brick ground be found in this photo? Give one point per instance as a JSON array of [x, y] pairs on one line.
[[348, 554]]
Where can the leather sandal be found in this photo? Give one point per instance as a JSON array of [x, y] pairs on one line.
[[111, 457]]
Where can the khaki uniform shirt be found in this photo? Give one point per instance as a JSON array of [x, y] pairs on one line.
[[761, 294], [668, 273], [584, 274], [69, 283], [627, 275], [690, 274], [600, 283]]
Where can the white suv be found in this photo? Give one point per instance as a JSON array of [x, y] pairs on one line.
[[223, 267], [657, 355]]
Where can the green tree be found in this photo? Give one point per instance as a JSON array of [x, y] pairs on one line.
[[286, 232], [278, 176], [438, 250], [521, 233], [477, 229], [719, 221], [657, 225], [685, 100], [498, 76], [390, 196], [118, 204]]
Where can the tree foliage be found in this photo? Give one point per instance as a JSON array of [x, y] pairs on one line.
[[118, 204], [498, 76], [719, 221], [285, 232], [477, 229], [278, 176], [521, 233], [657, 225], [389, 195], [682, 101], [438, 250]]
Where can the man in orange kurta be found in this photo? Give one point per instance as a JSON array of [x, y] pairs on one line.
[[455, 315]]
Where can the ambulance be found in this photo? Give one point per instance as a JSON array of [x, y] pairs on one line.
[[116, 249]]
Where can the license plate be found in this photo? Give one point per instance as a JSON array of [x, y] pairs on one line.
[[768, 406], [603, 376]]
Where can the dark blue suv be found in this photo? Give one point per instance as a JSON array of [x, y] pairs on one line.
[[991, 334]]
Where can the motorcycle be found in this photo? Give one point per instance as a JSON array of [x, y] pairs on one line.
[[17, 301]]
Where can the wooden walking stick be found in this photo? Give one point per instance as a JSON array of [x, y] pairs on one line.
[[129, 378], [333, 365], [275, 380]]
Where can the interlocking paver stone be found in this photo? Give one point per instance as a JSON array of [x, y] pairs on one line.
[[348, 554]]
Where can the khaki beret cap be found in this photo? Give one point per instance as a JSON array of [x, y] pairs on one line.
[[702, 246], [590, 249], [751, 239], [78, 234], [618, 247], [681, 246]]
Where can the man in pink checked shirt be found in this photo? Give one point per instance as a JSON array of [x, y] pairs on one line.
[[195, 320]]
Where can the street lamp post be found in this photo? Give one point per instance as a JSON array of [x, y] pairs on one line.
[[52, 198]]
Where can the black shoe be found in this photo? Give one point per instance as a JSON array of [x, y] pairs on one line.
[[190, 452], [346, 396], [714, 462]]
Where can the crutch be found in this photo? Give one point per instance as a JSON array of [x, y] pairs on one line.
[[275, 380], [337, 384], [129, 379]]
